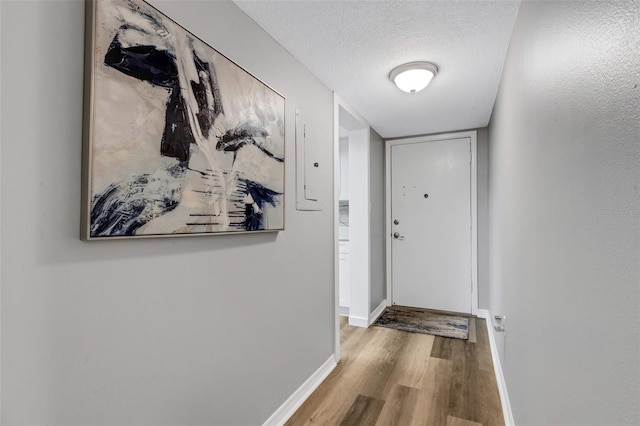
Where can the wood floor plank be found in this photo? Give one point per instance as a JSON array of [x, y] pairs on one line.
[[442, 348], [454, 421], [472, 369], [472, 330], [399, 406], [364, 411], [330, 409], [463, 400], [411, 365], [345, 330], [383, 356], [433, 401], [353, 341]]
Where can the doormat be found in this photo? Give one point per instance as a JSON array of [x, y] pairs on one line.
[[420, 321]]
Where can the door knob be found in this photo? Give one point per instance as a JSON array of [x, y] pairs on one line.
[[397, 236]]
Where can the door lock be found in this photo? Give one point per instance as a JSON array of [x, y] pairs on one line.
[[396, 222]]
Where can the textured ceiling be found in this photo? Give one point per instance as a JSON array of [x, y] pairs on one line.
[[351, 46]]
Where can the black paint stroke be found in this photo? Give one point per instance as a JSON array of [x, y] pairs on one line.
[[239, 137], [145, 63], [206, 86], [159, 68]]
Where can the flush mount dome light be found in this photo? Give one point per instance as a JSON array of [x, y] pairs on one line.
[[414, 76]]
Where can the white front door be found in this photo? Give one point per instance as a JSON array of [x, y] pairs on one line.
[[431, 256]]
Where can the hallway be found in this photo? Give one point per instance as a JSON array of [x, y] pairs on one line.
[[390, 377], [238, 330]]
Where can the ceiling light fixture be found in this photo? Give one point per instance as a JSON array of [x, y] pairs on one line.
[[414, 76]]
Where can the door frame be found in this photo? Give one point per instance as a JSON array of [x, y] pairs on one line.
[[348, 118], [472, 135]]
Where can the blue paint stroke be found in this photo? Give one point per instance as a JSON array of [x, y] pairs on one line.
[[124, 207], [254, 221]]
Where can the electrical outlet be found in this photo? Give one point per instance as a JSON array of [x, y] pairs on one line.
[[499, 323]]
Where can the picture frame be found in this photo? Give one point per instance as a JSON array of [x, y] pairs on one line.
[[178, 139]]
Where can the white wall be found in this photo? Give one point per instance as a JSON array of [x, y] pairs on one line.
[[482, 170], [344, 287], [377, 275], [362, 183], [208, 330], [344, 168], [359, 247], [565, 213]]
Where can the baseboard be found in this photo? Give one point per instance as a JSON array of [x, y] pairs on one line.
[[343, 311], [373, 316], [294, 402], [497, 367], [358, 321]]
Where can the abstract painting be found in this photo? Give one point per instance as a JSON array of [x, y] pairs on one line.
[[179, 140]]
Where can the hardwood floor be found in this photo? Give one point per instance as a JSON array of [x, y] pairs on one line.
[[390, 377]]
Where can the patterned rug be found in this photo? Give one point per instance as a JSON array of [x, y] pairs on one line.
[[418, 321]]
